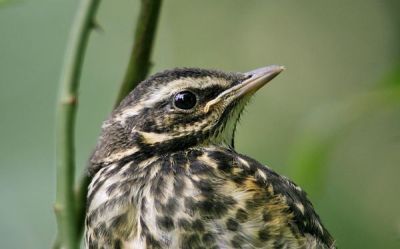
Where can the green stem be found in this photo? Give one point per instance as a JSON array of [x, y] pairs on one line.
[[139, 62], [64, 207], [138, 68]]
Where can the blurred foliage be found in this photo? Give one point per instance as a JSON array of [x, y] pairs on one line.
[[3, 2], [330, 121], [326, 126]]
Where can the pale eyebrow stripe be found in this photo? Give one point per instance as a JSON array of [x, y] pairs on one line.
[[165, 92]]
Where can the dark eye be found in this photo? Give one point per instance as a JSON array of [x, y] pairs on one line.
[[185, 100]]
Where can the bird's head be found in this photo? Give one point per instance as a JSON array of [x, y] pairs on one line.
[[178, 109]]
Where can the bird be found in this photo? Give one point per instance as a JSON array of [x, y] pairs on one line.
[[165, 172]]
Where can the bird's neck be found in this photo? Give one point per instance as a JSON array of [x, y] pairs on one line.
[[144, 145]]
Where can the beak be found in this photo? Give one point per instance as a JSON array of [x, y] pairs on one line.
[[256, 79]]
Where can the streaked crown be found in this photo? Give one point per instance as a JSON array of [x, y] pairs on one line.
[[177, 109]]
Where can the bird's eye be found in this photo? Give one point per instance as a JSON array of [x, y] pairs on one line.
[[185, 100]]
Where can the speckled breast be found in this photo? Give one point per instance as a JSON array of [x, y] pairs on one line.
[[199, 198]]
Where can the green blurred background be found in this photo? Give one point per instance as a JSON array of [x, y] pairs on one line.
[[331, 121]]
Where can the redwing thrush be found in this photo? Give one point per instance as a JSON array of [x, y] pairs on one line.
[[165, 173]]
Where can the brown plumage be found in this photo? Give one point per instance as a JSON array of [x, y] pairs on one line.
[[165, 173]]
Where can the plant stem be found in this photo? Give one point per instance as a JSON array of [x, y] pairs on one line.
[[65, 207], [139, 62], [138, 68]]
